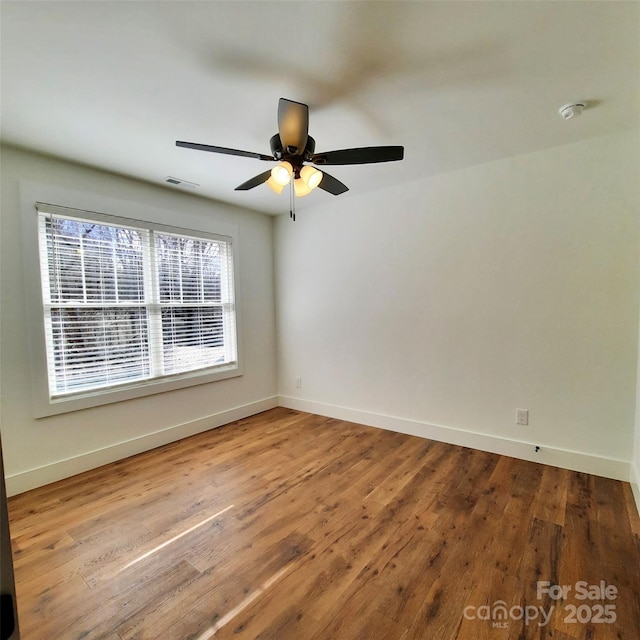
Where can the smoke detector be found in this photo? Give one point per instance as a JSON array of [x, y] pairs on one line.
[[572, 110]]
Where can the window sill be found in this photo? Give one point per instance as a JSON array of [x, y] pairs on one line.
[[85, 400]]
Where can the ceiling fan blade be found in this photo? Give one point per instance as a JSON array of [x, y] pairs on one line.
[[362, 155], [332, 185], [254, 182], [293, 125], [231, 152]]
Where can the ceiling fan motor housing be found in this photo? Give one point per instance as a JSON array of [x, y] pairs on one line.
[[279, 153]]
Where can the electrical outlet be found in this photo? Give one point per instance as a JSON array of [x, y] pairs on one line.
[[298, 383], [522, 417]]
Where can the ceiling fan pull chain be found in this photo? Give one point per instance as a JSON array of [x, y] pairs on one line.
[[292, 203]]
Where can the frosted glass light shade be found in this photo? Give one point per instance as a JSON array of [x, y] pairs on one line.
[[274, 186], [311, 176], [281, 173], [301, 187]]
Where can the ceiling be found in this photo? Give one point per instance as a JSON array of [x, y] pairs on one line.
[[114, 84]]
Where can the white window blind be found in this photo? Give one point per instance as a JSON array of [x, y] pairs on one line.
[[126, 304]]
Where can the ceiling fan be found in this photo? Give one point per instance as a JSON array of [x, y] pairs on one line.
[[294, 150]]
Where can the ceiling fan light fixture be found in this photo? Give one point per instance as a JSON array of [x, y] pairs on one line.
[[274, 186], [281, 173], [311, 176], [301, 188]]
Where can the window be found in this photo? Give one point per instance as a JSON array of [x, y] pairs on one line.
[[128, 303]]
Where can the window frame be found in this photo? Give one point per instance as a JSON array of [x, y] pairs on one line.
[[91, 207]]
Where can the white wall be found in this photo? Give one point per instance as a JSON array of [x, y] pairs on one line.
[[39, 451], [441, 306]]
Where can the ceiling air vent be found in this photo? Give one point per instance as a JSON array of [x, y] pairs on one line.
[[178, 182]]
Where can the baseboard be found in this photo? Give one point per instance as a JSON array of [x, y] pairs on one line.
[[565, 459], [634, 479], [26, 480]]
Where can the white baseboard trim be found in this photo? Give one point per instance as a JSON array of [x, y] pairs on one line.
[[563, 458], [38, 477], [634, 479]]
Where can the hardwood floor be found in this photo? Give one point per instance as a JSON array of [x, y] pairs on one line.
[[288, 525]]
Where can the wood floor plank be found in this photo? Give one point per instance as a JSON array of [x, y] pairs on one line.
[[291, 526], [541, 556], [551, 497], [632, 511], [613, 532]]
